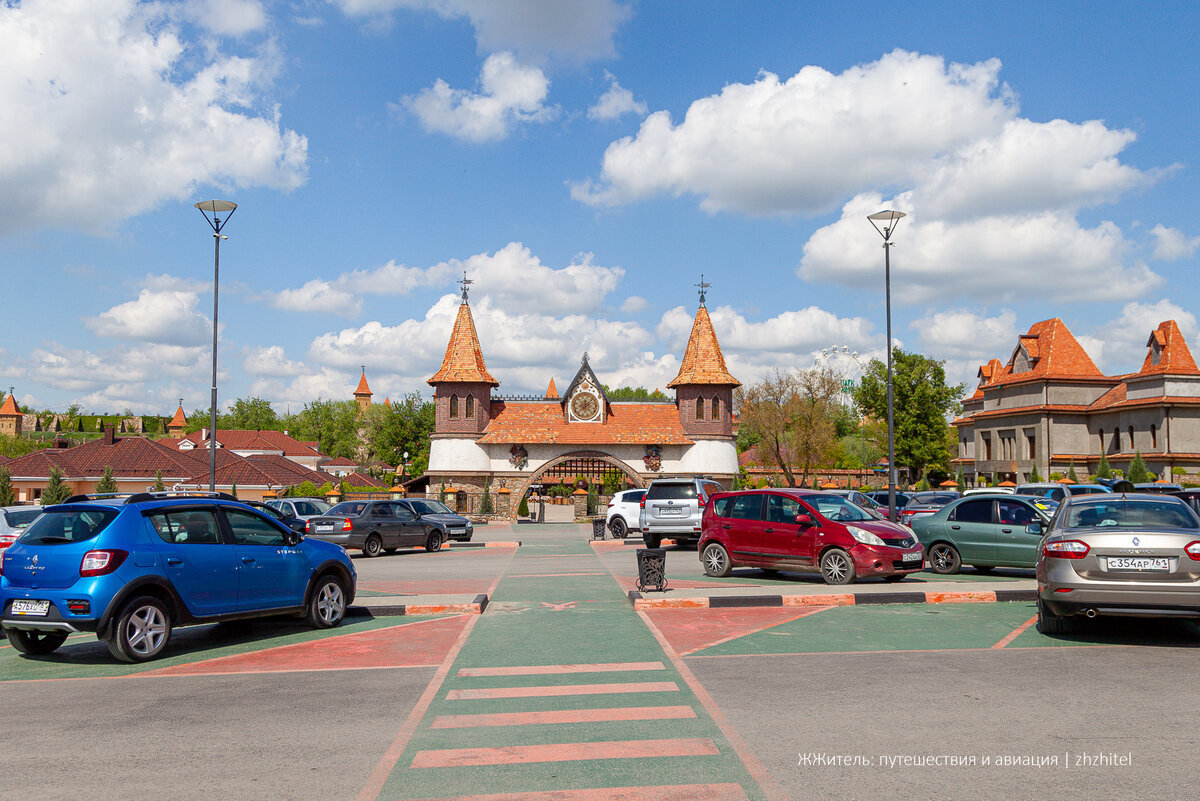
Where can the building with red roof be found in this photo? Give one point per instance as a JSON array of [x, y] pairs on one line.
[[517, 442], [1050, 407]]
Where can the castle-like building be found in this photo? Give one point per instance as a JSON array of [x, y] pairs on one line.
[[519, 442]]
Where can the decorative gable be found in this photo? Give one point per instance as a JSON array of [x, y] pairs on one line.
[[585, 401]]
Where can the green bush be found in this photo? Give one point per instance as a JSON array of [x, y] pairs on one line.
[[523, 508], [485, 503]]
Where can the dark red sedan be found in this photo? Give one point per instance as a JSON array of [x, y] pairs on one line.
[[805, 531]]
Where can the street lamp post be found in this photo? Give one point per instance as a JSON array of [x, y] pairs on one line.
[[211, 209], [888, 219]]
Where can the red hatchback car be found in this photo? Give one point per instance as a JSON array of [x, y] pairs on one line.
[[806, 531]]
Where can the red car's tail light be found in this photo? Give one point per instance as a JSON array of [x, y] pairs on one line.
[[99, 563], [642, 503], [347, 525], [1066, 549], [1193, 550]]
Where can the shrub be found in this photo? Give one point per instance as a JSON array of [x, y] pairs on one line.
[[523, 508], [485, 503]]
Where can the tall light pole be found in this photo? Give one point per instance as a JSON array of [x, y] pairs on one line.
[[837, 351], [888, 219], [211, 209]]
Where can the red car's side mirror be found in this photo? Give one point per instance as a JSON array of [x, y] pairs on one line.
[[804, 520]]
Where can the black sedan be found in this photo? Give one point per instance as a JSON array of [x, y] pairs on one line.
[[428, 510]]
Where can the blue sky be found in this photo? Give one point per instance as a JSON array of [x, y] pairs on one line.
[[584, 163]]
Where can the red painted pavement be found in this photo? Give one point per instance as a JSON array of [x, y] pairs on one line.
[[603, 715], [423, 643], [563, 689], [426, 587], [563, 752], [670, 792], [693, 630]]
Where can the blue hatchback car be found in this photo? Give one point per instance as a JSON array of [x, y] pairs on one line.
[[131, 568]]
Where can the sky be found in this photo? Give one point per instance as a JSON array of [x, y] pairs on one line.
[[584, 164]]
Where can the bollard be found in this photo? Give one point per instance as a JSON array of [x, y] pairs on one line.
[[652, 569]]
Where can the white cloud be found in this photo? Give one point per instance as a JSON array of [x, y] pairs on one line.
[[615, 103], [164, 317], [580, 30], [226, 17], [1119, 346], [634, 304], [105, 100], [271, 361], [509, 94], [1171, 244], [999, 258], [960, 333], [805, 144], [320, 296]]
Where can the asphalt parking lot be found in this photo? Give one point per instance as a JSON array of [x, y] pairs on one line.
[[561, 689]]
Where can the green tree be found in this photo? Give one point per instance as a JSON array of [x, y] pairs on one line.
[[1138, 473], [401, 427], [922, 401], [8, 495], [792, 415], [1034, 476], [1071, 474], [13, 447], [233, 490], [249, 414], [107, 484], [1102, 469], [159, 486], [634, 394], [485, 503], [333, 425], [57, 490]]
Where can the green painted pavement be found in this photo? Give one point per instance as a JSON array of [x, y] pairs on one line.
[[567, 620]]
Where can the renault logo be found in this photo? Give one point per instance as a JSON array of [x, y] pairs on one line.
[[1136, 541]]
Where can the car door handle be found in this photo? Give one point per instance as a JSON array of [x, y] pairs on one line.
[[956, 528], [174, 561], [1006, 530], [247, 560], [726, 525], [769, 530]]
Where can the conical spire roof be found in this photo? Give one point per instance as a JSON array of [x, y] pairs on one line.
[[179, 420], [463, 361], [552, 391], [1168, 352], [363, 389], [703, 362], [9, 406]]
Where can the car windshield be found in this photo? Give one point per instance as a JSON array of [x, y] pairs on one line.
[[430, 507], [835, 507], [21, 518], [1131, 514], [58, 526], [348, 508]]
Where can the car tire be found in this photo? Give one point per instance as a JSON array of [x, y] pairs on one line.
[[1050, 623], [618, 528], [327, 606], [36, 643], [652, 540], [944, 558], [837, 567], [141, 631], [372, 547], [716, 560], [434, 542]]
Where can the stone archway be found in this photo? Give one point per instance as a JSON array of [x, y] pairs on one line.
[[566, 458]]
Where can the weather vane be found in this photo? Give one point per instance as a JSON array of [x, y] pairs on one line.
[[465, 282], [703, 288]]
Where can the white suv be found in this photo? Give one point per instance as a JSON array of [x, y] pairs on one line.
[[623, 512]]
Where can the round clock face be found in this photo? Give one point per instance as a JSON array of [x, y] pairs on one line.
[[584, 406]]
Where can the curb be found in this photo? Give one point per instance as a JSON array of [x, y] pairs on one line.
[[615, 543], [452, 544], [476, 607], [640, 601]]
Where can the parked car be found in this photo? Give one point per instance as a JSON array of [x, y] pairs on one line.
[[299, 509], [14, 520], [375, 527], [1189, 496], [804, 530], [988, 491], [1158, 487], [434, 513], [133, 568], [1057, 492], [673, 507], [984, 531], [861, 498], [925, 503], [1117, 554], [881, 497], [624, 511]]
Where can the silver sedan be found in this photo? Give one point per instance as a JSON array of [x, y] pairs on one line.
[[1117, 554]]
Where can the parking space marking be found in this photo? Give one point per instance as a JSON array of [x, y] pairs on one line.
[[562, 689], [552, 575], [1017, 632], [603, 715], [564, 752], [541, 670], [670, 792]]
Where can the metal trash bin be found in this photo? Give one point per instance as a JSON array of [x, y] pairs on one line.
[[599, 525], [652, 569]]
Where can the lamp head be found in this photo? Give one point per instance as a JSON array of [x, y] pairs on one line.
[[885, 221]]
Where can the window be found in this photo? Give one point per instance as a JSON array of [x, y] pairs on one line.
[[454, 405], [405, 514], [1015, 513], [723, 506], [715, 410], [699, 408], [781, 509], [987, 449], [193, 527], [1116, 441], [747, 507], [1131, 439], [250, 529], [1032, 446], [470, 406], [974, 512], [1153, 436], [1102, 440]]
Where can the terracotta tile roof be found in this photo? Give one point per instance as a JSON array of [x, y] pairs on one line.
[[1111, 398], [464, 359], [1053, 352], [703, 362], [129, 457], [359, 480], [526, 422], [342, 461], [285, 471], [179, 420], [1168, 353], [241, 440], [363, 389], [9, 406], [1044, 407]]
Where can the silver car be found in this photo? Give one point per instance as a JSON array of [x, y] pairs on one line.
[[1117, 554], [673, 508], [14, 520]]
